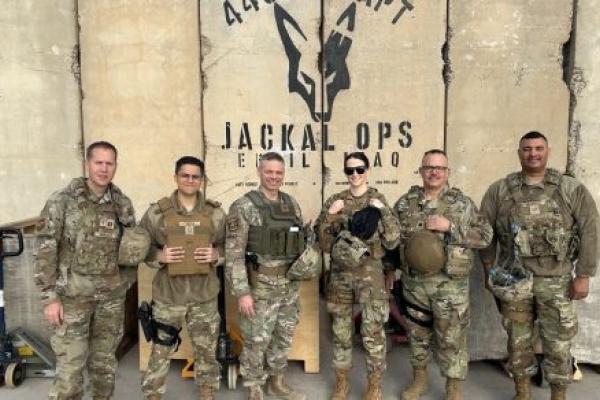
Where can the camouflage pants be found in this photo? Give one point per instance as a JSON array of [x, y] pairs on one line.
[[89, 336], [448, 300], [557, 321], [366, 285], [202, 320], [268, 335]]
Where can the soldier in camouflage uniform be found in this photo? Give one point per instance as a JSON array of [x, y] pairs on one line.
[[549, 221], [188, 233], [83, 291], [264, 237], [439, 226], [364, 283]]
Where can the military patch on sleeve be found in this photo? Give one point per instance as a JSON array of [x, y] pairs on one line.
[[233, 223], [41, 224]]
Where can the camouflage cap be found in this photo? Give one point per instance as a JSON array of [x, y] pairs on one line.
[[307, 266], [349, 251], [134, 246], [425, 253]]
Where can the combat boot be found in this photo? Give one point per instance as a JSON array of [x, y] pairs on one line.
[[453, 389], [522, 388], [558, 392], [341, 385], [205, 392], [418, 385], [374, 391], [278, 388], [255, 392]]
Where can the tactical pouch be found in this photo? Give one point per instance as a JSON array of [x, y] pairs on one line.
[[519, 312], [97, 246], [338, 296], [460, 261]]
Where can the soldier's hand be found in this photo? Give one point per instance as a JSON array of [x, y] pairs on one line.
[[246, 305], [206, 254], [336, 207], [171, 254], [54, 313], [376, 203], [437, 223], [580, 287]]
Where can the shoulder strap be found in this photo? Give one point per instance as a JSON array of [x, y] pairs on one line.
[[213, 203], [165, 204], [256, 199], [513, 184], [413, 197]]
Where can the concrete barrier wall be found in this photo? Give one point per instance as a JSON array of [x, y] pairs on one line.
[[141, 83], [505, 79], [40, 131], [584, 145], [233, 79], [391, 104]]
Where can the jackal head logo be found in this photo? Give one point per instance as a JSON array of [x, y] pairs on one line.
[[329, 71]]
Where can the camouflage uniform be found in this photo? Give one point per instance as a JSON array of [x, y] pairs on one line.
[[561, 210], [189, 298], [268, 335], [364, 284], [446, 293], [76, 263]]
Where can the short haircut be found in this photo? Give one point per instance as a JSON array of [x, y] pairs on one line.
[[101, 144], [191, 160], [357, 155], [533, 135], [271, 156], [435, 151]]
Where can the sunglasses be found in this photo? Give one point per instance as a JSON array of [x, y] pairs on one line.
[[351, 170]]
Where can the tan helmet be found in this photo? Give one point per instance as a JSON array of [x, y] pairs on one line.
[[307, 266], [134, 246], [425, 252]]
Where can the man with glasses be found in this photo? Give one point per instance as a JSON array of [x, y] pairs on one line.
[[439, 226], [546, 227], [187, 233], [264, 237], [77, 271]]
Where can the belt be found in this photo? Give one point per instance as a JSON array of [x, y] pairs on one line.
[[273, 271]]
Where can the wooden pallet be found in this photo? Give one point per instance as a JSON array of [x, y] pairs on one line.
[[305, 346]]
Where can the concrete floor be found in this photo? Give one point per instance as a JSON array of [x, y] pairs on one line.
[[486, 380]]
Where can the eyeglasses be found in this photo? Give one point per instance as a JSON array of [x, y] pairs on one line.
[[350, 170], [187, 177], [431, 168]]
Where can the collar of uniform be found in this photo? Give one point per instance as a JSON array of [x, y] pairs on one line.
[[267, 200], [350, 196], [526, 183], [182, 210], [80, 188], [423, 200]]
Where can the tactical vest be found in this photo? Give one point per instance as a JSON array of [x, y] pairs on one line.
[[376, 249], [190, 231], [281, 235], [97, 241], [539, 225], [459, 260]]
